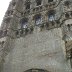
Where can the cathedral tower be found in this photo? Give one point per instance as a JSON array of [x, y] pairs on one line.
[[36, 36]]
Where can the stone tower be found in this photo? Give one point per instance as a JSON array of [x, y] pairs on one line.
[[36, 36]]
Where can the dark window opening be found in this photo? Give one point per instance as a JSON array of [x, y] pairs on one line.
[[14, 3], [22, 13], [24, 23], [68, 27], [27, 4], [17, 33], [67, 15], [50, 0], [38, 2], [51, 15], [2, 42], [66, 3], [38, 19]]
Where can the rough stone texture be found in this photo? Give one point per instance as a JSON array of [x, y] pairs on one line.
[[44, 47], [43, 50]]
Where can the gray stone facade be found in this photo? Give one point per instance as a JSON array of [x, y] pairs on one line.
[[36, 36]]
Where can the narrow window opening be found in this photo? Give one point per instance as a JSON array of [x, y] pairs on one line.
[[17, 32], [2, 43], [38, 2], [67, 15], [51, 15], [27, 5], [24, 23], [38, 19]]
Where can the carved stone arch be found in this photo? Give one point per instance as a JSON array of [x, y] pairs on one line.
[[50, 11], [36, 70], [39, 14]]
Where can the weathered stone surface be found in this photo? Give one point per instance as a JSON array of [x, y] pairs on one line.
[[43, 50], [42, 47]]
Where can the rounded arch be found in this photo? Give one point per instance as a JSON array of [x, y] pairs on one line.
[[36, 15], [23, 20], [36, 70], [51, 12]]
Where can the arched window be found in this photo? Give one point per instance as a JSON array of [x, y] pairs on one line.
[[38, 19], [27, 4], [24, 23], [38, 2], [51, 15]]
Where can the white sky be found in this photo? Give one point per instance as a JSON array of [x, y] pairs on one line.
[[3, 7]]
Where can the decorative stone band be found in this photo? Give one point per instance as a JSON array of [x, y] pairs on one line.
[[44, 25]]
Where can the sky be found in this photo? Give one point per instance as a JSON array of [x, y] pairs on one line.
[[3, 7]]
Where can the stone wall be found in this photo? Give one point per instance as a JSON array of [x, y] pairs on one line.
[[43, 50]]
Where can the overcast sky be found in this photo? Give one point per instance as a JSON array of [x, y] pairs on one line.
[[3, 7]]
